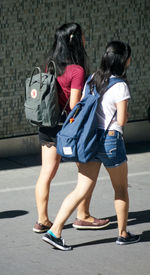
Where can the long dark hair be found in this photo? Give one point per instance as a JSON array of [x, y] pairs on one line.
[[68, 48], [113, 62]]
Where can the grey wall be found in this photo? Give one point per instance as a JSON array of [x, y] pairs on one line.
[[26, 33]]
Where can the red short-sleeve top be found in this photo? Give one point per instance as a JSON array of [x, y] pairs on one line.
[[72, 78]]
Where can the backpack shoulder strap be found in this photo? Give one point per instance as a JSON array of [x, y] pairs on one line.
[[87, 90], [51, 62], [113, 81]]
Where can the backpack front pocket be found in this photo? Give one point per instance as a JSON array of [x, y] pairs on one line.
[[67, 147]]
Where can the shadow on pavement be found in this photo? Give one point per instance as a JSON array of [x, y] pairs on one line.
[[145, 237], [67, 226], [108, 240], [137, 148], [17, 162], [134, 218], [12, 214]]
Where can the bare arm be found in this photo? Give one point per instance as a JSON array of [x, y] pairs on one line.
[[122, 114], [75, 97]]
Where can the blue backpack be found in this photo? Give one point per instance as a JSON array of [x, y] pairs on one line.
[[77, 140]]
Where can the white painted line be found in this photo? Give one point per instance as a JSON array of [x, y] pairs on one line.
[[17, 188], [139, 174], [55, 184]]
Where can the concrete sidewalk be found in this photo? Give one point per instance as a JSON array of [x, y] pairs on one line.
[[95, 252]]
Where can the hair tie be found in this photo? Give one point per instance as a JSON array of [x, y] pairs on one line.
[[71, 36]]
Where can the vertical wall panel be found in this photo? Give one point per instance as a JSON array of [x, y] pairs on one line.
[[26, 33]]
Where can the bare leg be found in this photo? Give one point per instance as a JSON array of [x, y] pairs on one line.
[[83, 212], [87, 177], [119, 181], [50, 163]]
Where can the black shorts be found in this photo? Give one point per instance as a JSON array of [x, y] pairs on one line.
[[48, 134]]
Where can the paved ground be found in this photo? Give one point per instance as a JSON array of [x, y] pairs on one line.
[[22, 252]]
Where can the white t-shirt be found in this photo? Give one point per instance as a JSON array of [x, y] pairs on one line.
[[107, 106]]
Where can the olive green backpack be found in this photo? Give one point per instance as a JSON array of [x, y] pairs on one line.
[[41, 98]]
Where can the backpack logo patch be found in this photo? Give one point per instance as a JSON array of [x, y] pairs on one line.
[[33, 93], [67, 150]]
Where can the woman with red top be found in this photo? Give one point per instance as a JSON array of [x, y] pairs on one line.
[[70, 58]]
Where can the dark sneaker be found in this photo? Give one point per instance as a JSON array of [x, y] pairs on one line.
[[96, 224], [128, 240], [40, 228], [56, 242]]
